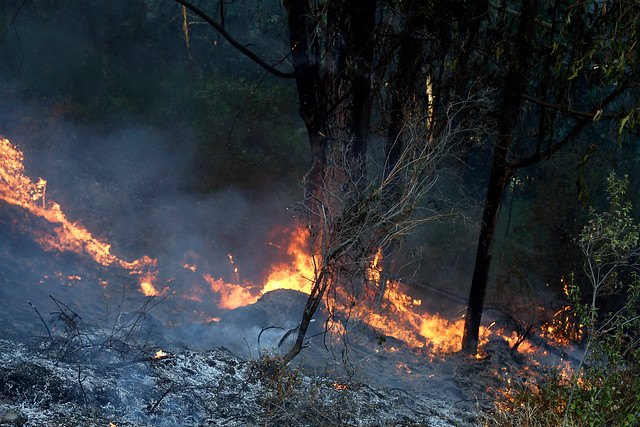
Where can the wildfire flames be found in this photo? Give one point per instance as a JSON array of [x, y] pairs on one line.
[[18, 189], [400, 315]]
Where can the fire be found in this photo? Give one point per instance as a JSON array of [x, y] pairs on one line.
[[159, 355], [402, 367], [18, 189], [525, 347], [298, 275], [146, 285], [191, 267], [405, 323], [231, 295], [295, 275], [375, 269], [400, 316]]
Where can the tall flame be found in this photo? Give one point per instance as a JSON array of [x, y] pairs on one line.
[[299, 274]]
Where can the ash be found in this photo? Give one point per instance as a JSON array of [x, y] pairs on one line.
[[193, 388]]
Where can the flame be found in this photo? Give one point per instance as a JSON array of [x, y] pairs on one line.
[[375, 269], [18, 189], [525, 347], [404, 322], [339, 386], [159, 355], [400, 316], [146, 285], [402, 367], [231, 295], [297, 275]]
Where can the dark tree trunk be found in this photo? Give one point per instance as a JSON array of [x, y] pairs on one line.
[[336, 108], [515, 82], [311, 89]]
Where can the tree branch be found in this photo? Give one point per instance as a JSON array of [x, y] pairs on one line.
[[234, 42], [539, 155], [588, 114]]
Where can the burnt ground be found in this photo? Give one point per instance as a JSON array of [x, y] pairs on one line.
[[194, 388], [219, 374]]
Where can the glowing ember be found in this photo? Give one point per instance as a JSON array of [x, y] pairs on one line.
[[402, 367], [339, 386], [235, 269], [18, 189]]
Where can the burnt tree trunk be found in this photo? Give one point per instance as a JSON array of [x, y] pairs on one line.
[[336, 108], [515, 82]]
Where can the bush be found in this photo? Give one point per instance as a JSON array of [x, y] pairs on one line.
[[605, 389]]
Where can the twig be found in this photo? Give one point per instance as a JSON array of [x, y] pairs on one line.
[[153, 408], [41, 319], [80, 380]]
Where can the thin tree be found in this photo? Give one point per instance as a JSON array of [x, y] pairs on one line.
[[574, 39]]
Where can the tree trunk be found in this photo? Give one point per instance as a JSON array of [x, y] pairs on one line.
[[336, 108], [515, 82]]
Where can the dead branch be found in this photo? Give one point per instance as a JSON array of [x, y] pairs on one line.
[[355, 214]]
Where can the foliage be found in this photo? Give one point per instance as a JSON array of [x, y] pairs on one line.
[[605, 389], [246, 131]]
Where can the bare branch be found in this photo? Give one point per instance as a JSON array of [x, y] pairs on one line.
[[234, 42], [573, 133]]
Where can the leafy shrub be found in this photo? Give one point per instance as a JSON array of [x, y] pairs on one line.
[[605, 389]]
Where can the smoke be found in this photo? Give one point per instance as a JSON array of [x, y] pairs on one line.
[[130, 186]]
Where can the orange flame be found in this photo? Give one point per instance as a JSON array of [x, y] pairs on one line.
[[231, 295], [418, 330], [297, 275], [159, 355], [18, 189], [401, 318]]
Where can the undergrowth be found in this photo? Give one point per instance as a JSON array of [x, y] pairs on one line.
[[604, 390]]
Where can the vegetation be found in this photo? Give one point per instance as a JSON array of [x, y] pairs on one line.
[[361, 96], [605, 388]]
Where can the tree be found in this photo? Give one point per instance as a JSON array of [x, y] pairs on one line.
[[373, 213], [610, 243], [341, 54], [556, 70], [577, 57]]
